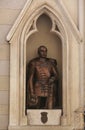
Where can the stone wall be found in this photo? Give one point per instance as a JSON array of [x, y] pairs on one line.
[[9, 11]]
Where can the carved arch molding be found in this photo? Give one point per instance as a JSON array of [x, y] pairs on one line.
[[23, 28], [29, 30]]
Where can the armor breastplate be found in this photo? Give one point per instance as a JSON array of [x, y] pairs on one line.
[[43, 72], [42, 75]]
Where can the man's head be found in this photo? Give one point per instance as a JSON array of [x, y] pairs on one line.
[[42, 52]]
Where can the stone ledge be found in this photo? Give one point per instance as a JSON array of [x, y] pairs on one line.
[[40, 128], [44, 117]]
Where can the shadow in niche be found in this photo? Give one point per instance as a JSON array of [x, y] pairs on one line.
[[53, 43]]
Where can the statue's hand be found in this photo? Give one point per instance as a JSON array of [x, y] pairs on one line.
[[32, 94], [33, 98], [51, 80]]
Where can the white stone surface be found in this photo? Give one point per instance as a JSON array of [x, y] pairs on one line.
[[3, 97], [3, 122], [4, 65], [8, 16], [82, 51], [4, 83], [3, 109], [4, 52], [34, 117], [4, 29], [40, 128], [72, 7], [12, 4], [70, 37]]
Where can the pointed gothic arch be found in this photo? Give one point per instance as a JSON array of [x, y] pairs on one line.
[[26, 32]]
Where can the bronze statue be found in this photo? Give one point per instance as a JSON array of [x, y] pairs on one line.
[[41, 81]]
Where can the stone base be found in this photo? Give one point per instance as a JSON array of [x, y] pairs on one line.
[[40, 128], [44, 117]]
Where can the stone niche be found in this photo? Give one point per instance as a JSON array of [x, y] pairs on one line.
[[45, 36], [46, 22]]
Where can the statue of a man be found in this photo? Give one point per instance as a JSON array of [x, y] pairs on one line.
[[41, 81]]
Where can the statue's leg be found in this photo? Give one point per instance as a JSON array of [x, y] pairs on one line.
[[38, 104]]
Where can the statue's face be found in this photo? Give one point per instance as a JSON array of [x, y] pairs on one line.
[[43, 52]]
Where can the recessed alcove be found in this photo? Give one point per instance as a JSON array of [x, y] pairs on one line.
[[44, 36]]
